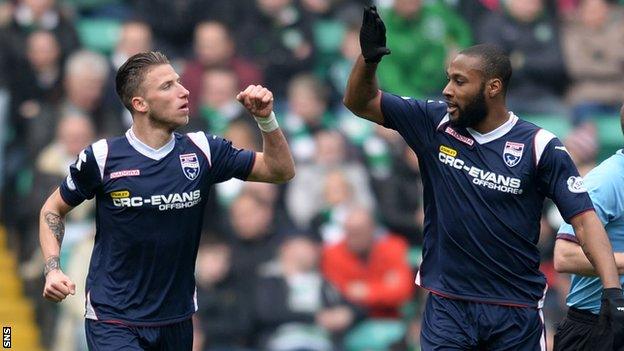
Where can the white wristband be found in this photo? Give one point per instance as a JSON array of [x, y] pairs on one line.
[[267, 124]]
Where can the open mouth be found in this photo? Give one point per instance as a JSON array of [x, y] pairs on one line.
[[184, 107], [450, 107]]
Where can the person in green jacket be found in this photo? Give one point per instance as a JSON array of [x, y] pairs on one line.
[[422, 36]]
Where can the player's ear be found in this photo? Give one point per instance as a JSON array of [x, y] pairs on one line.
[[139, 104], [494, 87]]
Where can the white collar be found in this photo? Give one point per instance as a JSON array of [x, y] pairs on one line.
[[148, 151], [496, 133]]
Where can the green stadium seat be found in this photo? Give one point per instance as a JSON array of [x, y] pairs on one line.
[[609, 134], [375, 335], [328, 35], [414, 256], [89, 4], [99, 34]]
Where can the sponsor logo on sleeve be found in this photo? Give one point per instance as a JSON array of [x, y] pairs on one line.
[[512, 154], [190, 165], [576, 185]]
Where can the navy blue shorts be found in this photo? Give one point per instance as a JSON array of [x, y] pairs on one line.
[[450, 324], [105, 336]]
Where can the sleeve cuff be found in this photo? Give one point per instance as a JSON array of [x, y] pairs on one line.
[[251, 165], [568, 237], [70, 197]]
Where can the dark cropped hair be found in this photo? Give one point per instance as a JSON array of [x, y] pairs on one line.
[[494, 60], [131, 74]]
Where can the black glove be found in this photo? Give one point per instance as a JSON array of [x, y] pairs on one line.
[[612, 315], [373, 36]]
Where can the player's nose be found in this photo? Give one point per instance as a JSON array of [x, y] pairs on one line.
[[448, 91]]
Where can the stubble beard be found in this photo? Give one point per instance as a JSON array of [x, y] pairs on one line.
[[474, 113]]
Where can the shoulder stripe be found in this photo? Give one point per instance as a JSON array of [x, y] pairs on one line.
[[100, 152], [201, 141], [542, 138], [445, 119]]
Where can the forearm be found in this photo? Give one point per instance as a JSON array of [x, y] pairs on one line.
[[597, 249], [570, 258], [362, 86], [277, 157], [52, 230]]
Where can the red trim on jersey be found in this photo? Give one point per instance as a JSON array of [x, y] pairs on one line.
[[568, 237], [579, 213], [151, 325], [478, 301]]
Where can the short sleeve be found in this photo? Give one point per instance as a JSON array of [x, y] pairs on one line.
[[558, 177], [603, 189], [415, 120], [85, 175], [227, 161]]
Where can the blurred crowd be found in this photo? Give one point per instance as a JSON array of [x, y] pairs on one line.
[[327, 261]]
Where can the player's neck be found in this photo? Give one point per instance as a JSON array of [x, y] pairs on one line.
[[496, 117], [152, 137]]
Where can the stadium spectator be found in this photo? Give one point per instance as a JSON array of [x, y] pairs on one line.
[[338, 198], [173, 22], [218, 107], [86, 73], [148, 231], [214, 48], [593, 43], [308, 113], [35, 85], [33, 15], [254, 240], [63, 327], [467, 239], [277, 36], [400, 198], [134, 37], [369, 266], [243, 136], [530, 36], [583, 329], [38, 79], [225, 312], [296, 308], [430, 32], [304, 195]]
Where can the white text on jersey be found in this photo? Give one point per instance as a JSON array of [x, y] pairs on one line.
[[164, 202], [483, 178]]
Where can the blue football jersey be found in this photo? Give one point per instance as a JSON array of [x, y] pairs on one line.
[[605, 184], [483, 198], [150, 206]]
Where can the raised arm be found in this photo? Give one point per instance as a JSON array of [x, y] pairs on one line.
[[275, 163], [51, 232], [363, 96]]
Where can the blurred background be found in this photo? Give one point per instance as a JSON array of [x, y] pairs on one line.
[[327, 261]]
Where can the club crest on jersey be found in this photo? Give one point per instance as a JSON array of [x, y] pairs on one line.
[[190, 165], [512, 154]]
